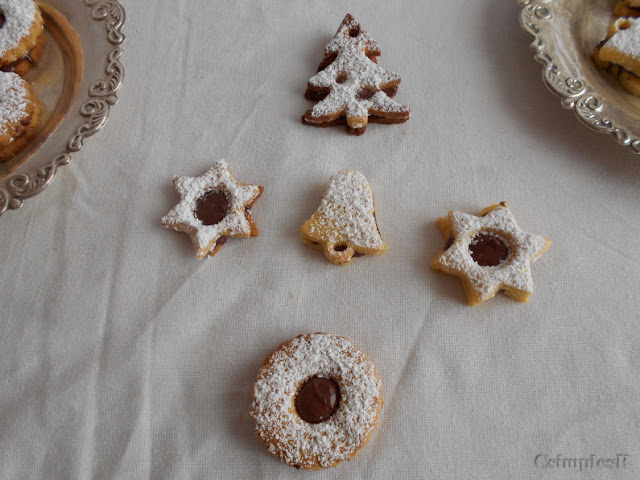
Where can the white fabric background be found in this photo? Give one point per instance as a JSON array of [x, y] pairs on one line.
[[123, 356]]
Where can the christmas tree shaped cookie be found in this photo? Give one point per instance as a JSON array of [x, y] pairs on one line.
[[345, 226], [350, 86]]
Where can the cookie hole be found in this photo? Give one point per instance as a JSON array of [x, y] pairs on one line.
[[623, 23], [354, 31], [317, 399], [488, 249], [340, 248], [366, 93], [212, 207], [341, 77]]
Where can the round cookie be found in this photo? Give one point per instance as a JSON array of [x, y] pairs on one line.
[[19, 113], [22, 26], [316, 401]]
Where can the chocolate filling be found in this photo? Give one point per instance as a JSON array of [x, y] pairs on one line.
[[212, 207], [366, 93], [317, 399], [221, 241], [447, 245], [488, 250]]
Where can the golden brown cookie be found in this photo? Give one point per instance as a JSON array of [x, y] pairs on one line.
[[23, 65], [212, 208], [627, 8], [623, 45], [22, 27], [489, 253], [345, 223], [615, 60], [350, 87], [19, 114], [316, 401]]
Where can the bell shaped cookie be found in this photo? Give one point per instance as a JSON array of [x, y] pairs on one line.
[[345, 226]]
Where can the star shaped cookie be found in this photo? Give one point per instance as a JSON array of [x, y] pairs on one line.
[[213, 207], [489, 253]]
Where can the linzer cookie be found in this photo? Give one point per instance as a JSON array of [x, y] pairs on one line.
[[619, 53], [21, 35], [345, 226], [623, 45], [489, 253], [212, 208], [627, 8], [350, 87], [316, 401], [19, 114]]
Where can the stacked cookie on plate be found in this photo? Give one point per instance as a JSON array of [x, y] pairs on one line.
[[21, 43], [619, 52]]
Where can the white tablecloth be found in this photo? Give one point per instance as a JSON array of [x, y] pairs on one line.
[[123, 356]]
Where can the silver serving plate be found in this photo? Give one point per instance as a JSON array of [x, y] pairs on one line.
[[565, 32], [71, 114]]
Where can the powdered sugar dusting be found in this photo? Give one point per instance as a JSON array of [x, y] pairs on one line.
[[515, 272], [361, 73], [19, 17], [338, 438], [346, 213], [235, 223], [625, 41], [14, 100], [353, 80], [344, 39]]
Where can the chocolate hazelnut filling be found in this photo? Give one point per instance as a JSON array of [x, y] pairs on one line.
[[317, 399], [366, 93], [212, 207], [447, 245], [221, 241], [488, 249]]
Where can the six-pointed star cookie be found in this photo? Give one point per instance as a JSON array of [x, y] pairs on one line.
[[213, 207], [489, 253]]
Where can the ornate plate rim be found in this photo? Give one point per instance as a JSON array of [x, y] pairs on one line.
[[575, 93], [102, 96]]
